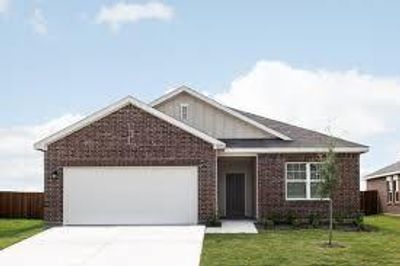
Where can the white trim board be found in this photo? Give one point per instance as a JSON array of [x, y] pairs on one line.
[[218, 106], [42, 144], [237, 151], [307, 181], [382, 175]]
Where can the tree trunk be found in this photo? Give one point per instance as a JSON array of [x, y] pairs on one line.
[[330, 222]]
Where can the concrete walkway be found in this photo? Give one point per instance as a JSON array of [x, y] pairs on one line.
[[233, 227], [108, 245]]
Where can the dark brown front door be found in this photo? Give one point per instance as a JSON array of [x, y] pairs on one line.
[[235, 196]]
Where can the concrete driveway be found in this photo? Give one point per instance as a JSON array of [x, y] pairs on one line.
[[109, 245]]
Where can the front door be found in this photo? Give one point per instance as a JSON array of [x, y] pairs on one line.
[[235, 195]]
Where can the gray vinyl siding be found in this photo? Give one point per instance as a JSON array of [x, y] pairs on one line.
[[209, 119]]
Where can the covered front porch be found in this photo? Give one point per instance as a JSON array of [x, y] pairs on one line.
[[237, 187]]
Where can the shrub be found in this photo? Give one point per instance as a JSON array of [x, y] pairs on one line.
[[296, 222], [358, 221], [267, 222], [275, 217], [213, 221], [314, 220], [339, 218], [291, 218]]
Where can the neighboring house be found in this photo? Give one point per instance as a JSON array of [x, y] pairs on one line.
[[386, 182], [184, 158]]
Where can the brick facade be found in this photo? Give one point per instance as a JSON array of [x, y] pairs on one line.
[[132, 137], [271, 186], [129, 137], [380, 185]]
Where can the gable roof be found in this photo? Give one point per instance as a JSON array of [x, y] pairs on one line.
[[303, 140], [221, 107], [42, 144], [393, 169]]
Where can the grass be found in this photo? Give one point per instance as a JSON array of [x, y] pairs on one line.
[[15, 230], [306, 246]]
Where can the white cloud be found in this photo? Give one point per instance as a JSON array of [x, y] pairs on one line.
[[21, 167], [354, 105], [4, 4], [123, 13], [39, 22]]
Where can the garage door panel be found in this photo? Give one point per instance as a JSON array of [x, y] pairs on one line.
[[130, 195]]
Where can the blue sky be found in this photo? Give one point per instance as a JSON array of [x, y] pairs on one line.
[[56, 59]]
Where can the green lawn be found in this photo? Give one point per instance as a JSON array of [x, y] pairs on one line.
[[304, 246], [14, 230]]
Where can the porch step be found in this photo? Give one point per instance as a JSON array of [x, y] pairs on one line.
[[233, 227]]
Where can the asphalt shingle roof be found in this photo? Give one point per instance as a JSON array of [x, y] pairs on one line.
[[301, 137], [393, 168]]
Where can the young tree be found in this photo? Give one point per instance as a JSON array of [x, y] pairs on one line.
[[329, 182]]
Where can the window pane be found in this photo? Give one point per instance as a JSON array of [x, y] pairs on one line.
[[290, 175], [389, 186], [315, 171], [303, 175], [299, 175], [315, 191], [184, 112], [290, 167], [296, 171], [296, 190], [390, 197]]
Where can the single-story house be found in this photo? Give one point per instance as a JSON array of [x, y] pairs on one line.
[[386, 182], [185, 159]]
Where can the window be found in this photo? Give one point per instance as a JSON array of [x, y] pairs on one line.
[[184, 111], [396, 188], [302, 181], [390, 185], [396, 191]]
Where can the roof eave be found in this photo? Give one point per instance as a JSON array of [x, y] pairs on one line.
[[382, 175], [297, 150]]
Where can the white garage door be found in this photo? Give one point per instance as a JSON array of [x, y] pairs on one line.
[[130, 195]]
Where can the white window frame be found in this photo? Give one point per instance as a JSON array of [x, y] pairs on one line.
[[182, 106], [308, 182], [390, 191], [396, 189]]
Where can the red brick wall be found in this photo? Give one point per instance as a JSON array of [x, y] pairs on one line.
[[152, 142], [271, 186], [379, 184]]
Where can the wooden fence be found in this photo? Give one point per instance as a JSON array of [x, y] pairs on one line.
[[369, 202], [30, 204], [21, 205]]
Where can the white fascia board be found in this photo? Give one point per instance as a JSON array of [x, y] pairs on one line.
[[222, 153], [295, 150], [382, 175], [42, 144], [220, 107]]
